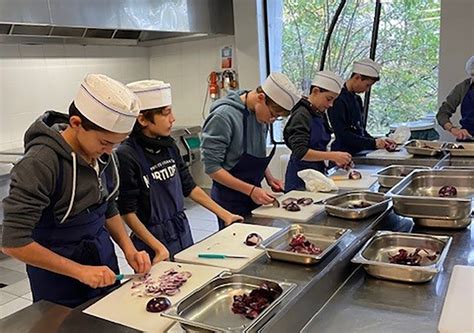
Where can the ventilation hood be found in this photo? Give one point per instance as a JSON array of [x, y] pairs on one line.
[[116, 22]]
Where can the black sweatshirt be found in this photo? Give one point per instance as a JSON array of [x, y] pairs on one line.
[[134, 196]]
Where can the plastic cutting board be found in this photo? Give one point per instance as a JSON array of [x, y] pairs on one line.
[[121, 307], [364, 183], [303, 215], [227, 241], [458, 309], [384, 154]]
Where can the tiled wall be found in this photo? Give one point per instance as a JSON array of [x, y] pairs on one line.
[[35, 78], [186, 66]]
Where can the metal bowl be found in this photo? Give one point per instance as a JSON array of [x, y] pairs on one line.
[[374, 255], [424, 147], [342, 205], [391, 175]]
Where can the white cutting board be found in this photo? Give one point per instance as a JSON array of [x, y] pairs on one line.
[[303, 215], [227, 241], [384, 154], [121, 307], [458, 309], [364, 183]]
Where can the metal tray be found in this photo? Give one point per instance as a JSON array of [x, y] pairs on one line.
[[339, 205], [374, 255], [424, 147], [458, 167], [326, 238], [392, 174], [208, 309], [468, 150], [416, 196]]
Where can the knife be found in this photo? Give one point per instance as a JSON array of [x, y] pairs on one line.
[[220, 256], [120, 277]]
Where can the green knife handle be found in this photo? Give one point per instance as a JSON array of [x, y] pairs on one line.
[[211, 256], [119, 277]]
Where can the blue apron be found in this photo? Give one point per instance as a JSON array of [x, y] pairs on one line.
[[250, 169], [319, 139], [467, 111], [83, 239], [167, 222]]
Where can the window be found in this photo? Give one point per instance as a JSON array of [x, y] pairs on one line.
[[407, 46]]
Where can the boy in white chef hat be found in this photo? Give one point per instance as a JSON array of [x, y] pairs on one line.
[[234, 141], [155, 179], [346, 115], [307, 132], [61, 211]]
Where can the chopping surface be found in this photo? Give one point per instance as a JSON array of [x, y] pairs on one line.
[[368, 179], [303, 215], [227, 241], [121, 307]]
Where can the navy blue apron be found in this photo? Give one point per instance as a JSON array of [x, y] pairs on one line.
[[467, 111], [83, 239], [250, 169], [168, 222], [319, 140]]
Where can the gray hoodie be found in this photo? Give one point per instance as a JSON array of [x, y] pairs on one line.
[[222, 134], [454, 99], [34, 178]]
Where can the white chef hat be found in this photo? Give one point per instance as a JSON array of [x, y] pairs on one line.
[[470, 66], [107, 103], [367, 67], [280, 89], [328, 80], [153, 94]]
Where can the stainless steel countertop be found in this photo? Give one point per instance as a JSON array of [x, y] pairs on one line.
[[365, 304]]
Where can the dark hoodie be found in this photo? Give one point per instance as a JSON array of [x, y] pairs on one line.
[[34, 178], [222, 134]]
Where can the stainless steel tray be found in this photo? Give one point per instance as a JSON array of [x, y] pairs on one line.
[[424, 147], [209, 308], [392, 174], [416, 196], [326, 238], [458, 167], [339, 205], [468, 150], [374, 255]]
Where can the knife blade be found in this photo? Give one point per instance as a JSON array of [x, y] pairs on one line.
[[120, 277], [220, 256]]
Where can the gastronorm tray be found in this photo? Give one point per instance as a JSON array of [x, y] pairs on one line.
[[374, 255], [340, 205], [326, 238], [424, 147], [466, 151], [416, 196], [391, 175], [209, 308]]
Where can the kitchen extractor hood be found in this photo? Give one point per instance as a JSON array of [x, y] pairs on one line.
[[117, 22]]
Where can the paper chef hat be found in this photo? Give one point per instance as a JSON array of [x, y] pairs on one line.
[[328, 80], [280, 89], [152, 93], [107, 103], [367, 67]]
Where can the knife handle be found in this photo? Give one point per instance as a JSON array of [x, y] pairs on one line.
[[211, 256], [119, 277]]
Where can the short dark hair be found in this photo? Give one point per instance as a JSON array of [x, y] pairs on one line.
[[365, 77], [148, 114], [272, 104], [320, 89], [86, 123]]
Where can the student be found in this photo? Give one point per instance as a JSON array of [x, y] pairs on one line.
[[155, 179], [346, 115], [462, 94], [307, 132], [61, 211], [234, 142]]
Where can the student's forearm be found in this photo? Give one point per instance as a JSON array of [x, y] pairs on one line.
[[316, 156], [37, 255], [119, 234], [225, 178], [142, 232], [198, 195]]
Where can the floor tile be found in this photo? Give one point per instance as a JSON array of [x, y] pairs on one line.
[[13, 264], [19, 289], [6, 297], [28, 296], [13, 306], [9, 276]]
